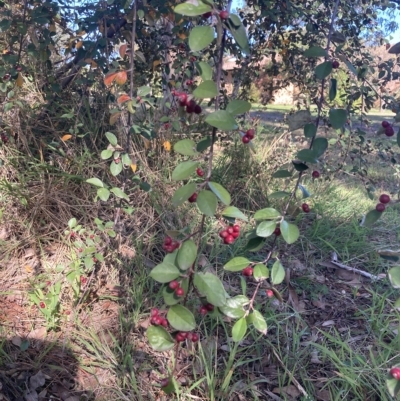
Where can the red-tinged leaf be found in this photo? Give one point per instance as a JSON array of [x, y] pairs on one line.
[[109, 78], [122, 50], [123, 99], [121, 77]]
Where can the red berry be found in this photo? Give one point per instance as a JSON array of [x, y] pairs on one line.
[[250, 133], [223, 234], [154, 320], [193, 198], [154, 312], [168, 248], [315, 174], [207, 15], [42, 305], [182, 99], [184, 334], [197, 109], [175, 245], [245, 139], [179, 292], [190, 106], [203, 310], [395, 372], [277, 231], [248, 271], [389, 131], [209, 307], [335, 64], [83, 280], [236, 228], [164, 323], [229, 240], [305, 207], [67, 312], [224, 14], [195, 337], [168, 241], [235, 234], [200, 172], [384, 198], [385, 124], [270, 293], [380, 207], [179, 337], [165, 382], [230, 230], [158, 320], [173, 285]]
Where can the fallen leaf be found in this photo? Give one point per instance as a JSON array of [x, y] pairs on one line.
[[167, 146], [290, 390], [28, 269], [156, 63], [37, 380], [123, 98], [66, 137], [122, 50], [38, 334], [78, 45], [114, 117], [16, 341], [109, 78], [19, 80], [31, 396], [134, 167]]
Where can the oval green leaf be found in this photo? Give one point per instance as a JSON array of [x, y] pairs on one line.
[[184, 170], [323, 70], [237, 264], [207, 89], [307, 155], [182, 194], [371, 217], [260, 272], [234, 212], [211, 287], [290, 232], [111, 138], [394, 276], [115, 168], [239, 330], [258, 321], [319, 146], [119, 193], [180, 318], [106, 154], [268, 213], [315, 51], [187, 254], [238, 106], [95, 181], [234, 307], [310, 130], [159, 338], [222, 120], [200, 37], [205, 70], [337, 118], [277, 273], [103, 194], [165, 272], [192, 10], [266, 228], [185, 147], [282, 174], [207, 202], [221, 192]]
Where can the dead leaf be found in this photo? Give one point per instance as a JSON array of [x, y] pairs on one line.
[[167, 146], [328, 323], [121, 77], [28, 269], [92, 63], [31, 396], [134, 167], [38, 334], [16, 341], [122, 50], [109, 78], [66, 137], [299, 119], [123, 98], [290, 390], [114, 117], [323, 395], [29, 252], [19, 80], [37, 380], [156, 63], [314, 357], [78, 45]]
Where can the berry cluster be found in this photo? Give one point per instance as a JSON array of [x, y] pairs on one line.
[[170, 245], [383, 200], [389, 131], [184, 335], [230, 234], [176, 287], [305, 207], [249, 135], [158, 320], [204, 309], [190, 104], [199, 172]]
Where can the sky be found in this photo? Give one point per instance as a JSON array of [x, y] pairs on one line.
[[395, 37]]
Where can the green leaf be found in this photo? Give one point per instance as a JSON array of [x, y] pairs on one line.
[[290, 232], [207, 202], [200, 37], [315, 51], [255, 244], [299, 166], [258, 321], [260, 272], [184, 170], [394, 276], [319, 146], [210, 285], [234, 307], [106, 154], [103, 194], [182, 194], [126, 159], [371, 217], [237, 106], [239, 33], [144, 90], [187, 254], [222, 120], [237, 264], [112, 138], [277, 273], [180, 318], [266, 228], [169, 295], [299, 119], [205, 70], [310, 130], [268, 213], [282, 174], [119, 193], [279, 195], [234, 212], [239, 330], [185, 147], [159, 338], [221, 192], [393, 385], [165, 272], [72, 223], [203, 144], [95, 181], [307, 155], [333, 89], [304, 191], [115, 168], [207, 89], [192, 10], [337, 118], [323, 70]]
